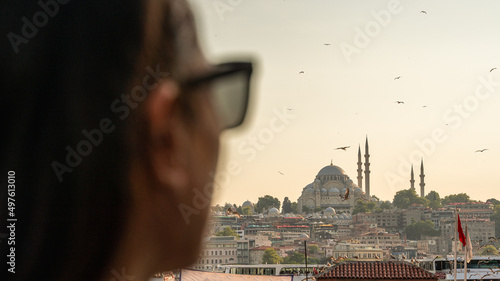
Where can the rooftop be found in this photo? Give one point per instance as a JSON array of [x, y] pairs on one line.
[[377, 270]]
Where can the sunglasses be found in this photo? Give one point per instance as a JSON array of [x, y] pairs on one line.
[[229, 88]]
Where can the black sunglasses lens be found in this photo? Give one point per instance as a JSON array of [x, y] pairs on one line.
[[230, 98]]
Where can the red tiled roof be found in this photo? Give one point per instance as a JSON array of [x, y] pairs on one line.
[[377, 270]]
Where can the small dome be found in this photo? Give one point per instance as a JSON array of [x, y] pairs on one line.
[[342, 191], [323, 191], [333, 191], [308, 190], [358, 190], [247, 204], [329, 211], [273, 212]]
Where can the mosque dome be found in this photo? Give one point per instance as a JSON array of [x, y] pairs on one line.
[[273, 212], [331, 170], [329, 211], [358, 190], [324, 191], [308, 190], [246, 204]]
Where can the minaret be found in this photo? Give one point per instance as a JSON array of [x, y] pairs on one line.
[[367, 170], [412, 179], [422, 183], [360, 169]]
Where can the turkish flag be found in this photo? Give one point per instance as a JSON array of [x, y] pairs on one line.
[[461, 234]]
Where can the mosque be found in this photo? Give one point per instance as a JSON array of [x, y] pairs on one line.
[[330, 185]]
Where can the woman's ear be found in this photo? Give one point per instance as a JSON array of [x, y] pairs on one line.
[[168, 135]]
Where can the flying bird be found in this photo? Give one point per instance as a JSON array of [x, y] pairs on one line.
[[485, 276], [281, 173], [393, 257], [346, 195], [326, 44], [232, 211], [482, 150], [289, 109], [396, 78], [424, 106], [493, 69], [343, 148], [301, 72], [423, 12], [399, 102]]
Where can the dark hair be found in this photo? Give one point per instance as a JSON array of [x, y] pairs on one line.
[[58, 84]]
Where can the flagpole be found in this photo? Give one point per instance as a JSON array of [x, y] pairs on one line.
[[465, 250], [455, 246]]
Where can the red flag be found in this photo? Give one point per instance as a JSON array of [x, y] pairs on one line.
[[461, 234]]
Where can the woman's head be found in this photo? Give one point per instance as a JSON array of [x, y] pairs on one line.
[[113, 148]]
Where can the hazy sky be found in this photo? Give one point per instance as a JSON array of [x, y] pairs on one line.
[[348, 91]]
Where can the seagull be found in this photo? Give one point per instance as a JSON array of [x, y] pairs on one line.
[[482, 150], [346, 195], [232, 211], [343, 148], [424, 106], [485, 276], [281, 173], [397, 78], [423, 12], [301, 72], [493, 69], [289, 109], [399, 102], [326, 44], [393, 257]]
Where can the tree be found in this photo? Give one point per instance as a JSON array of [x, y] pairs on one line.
[[313, 249], [295, 258], [318, 209], [433, 196], [455, 198], [385, 205], [227, 232], [435, 200], [493, 201], [496, 218], [287, 206], [489, 250], [417, 229], [246, 211], [405, 198], [364, 207], [267, 202], [294, 207], [271, 256], [306, 210]]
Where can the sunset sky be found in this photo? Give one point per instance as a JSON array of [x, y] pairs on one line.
[[348, 91]]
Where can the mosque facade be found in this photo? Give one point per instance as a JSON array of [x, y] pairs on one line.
[[330, 185]]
